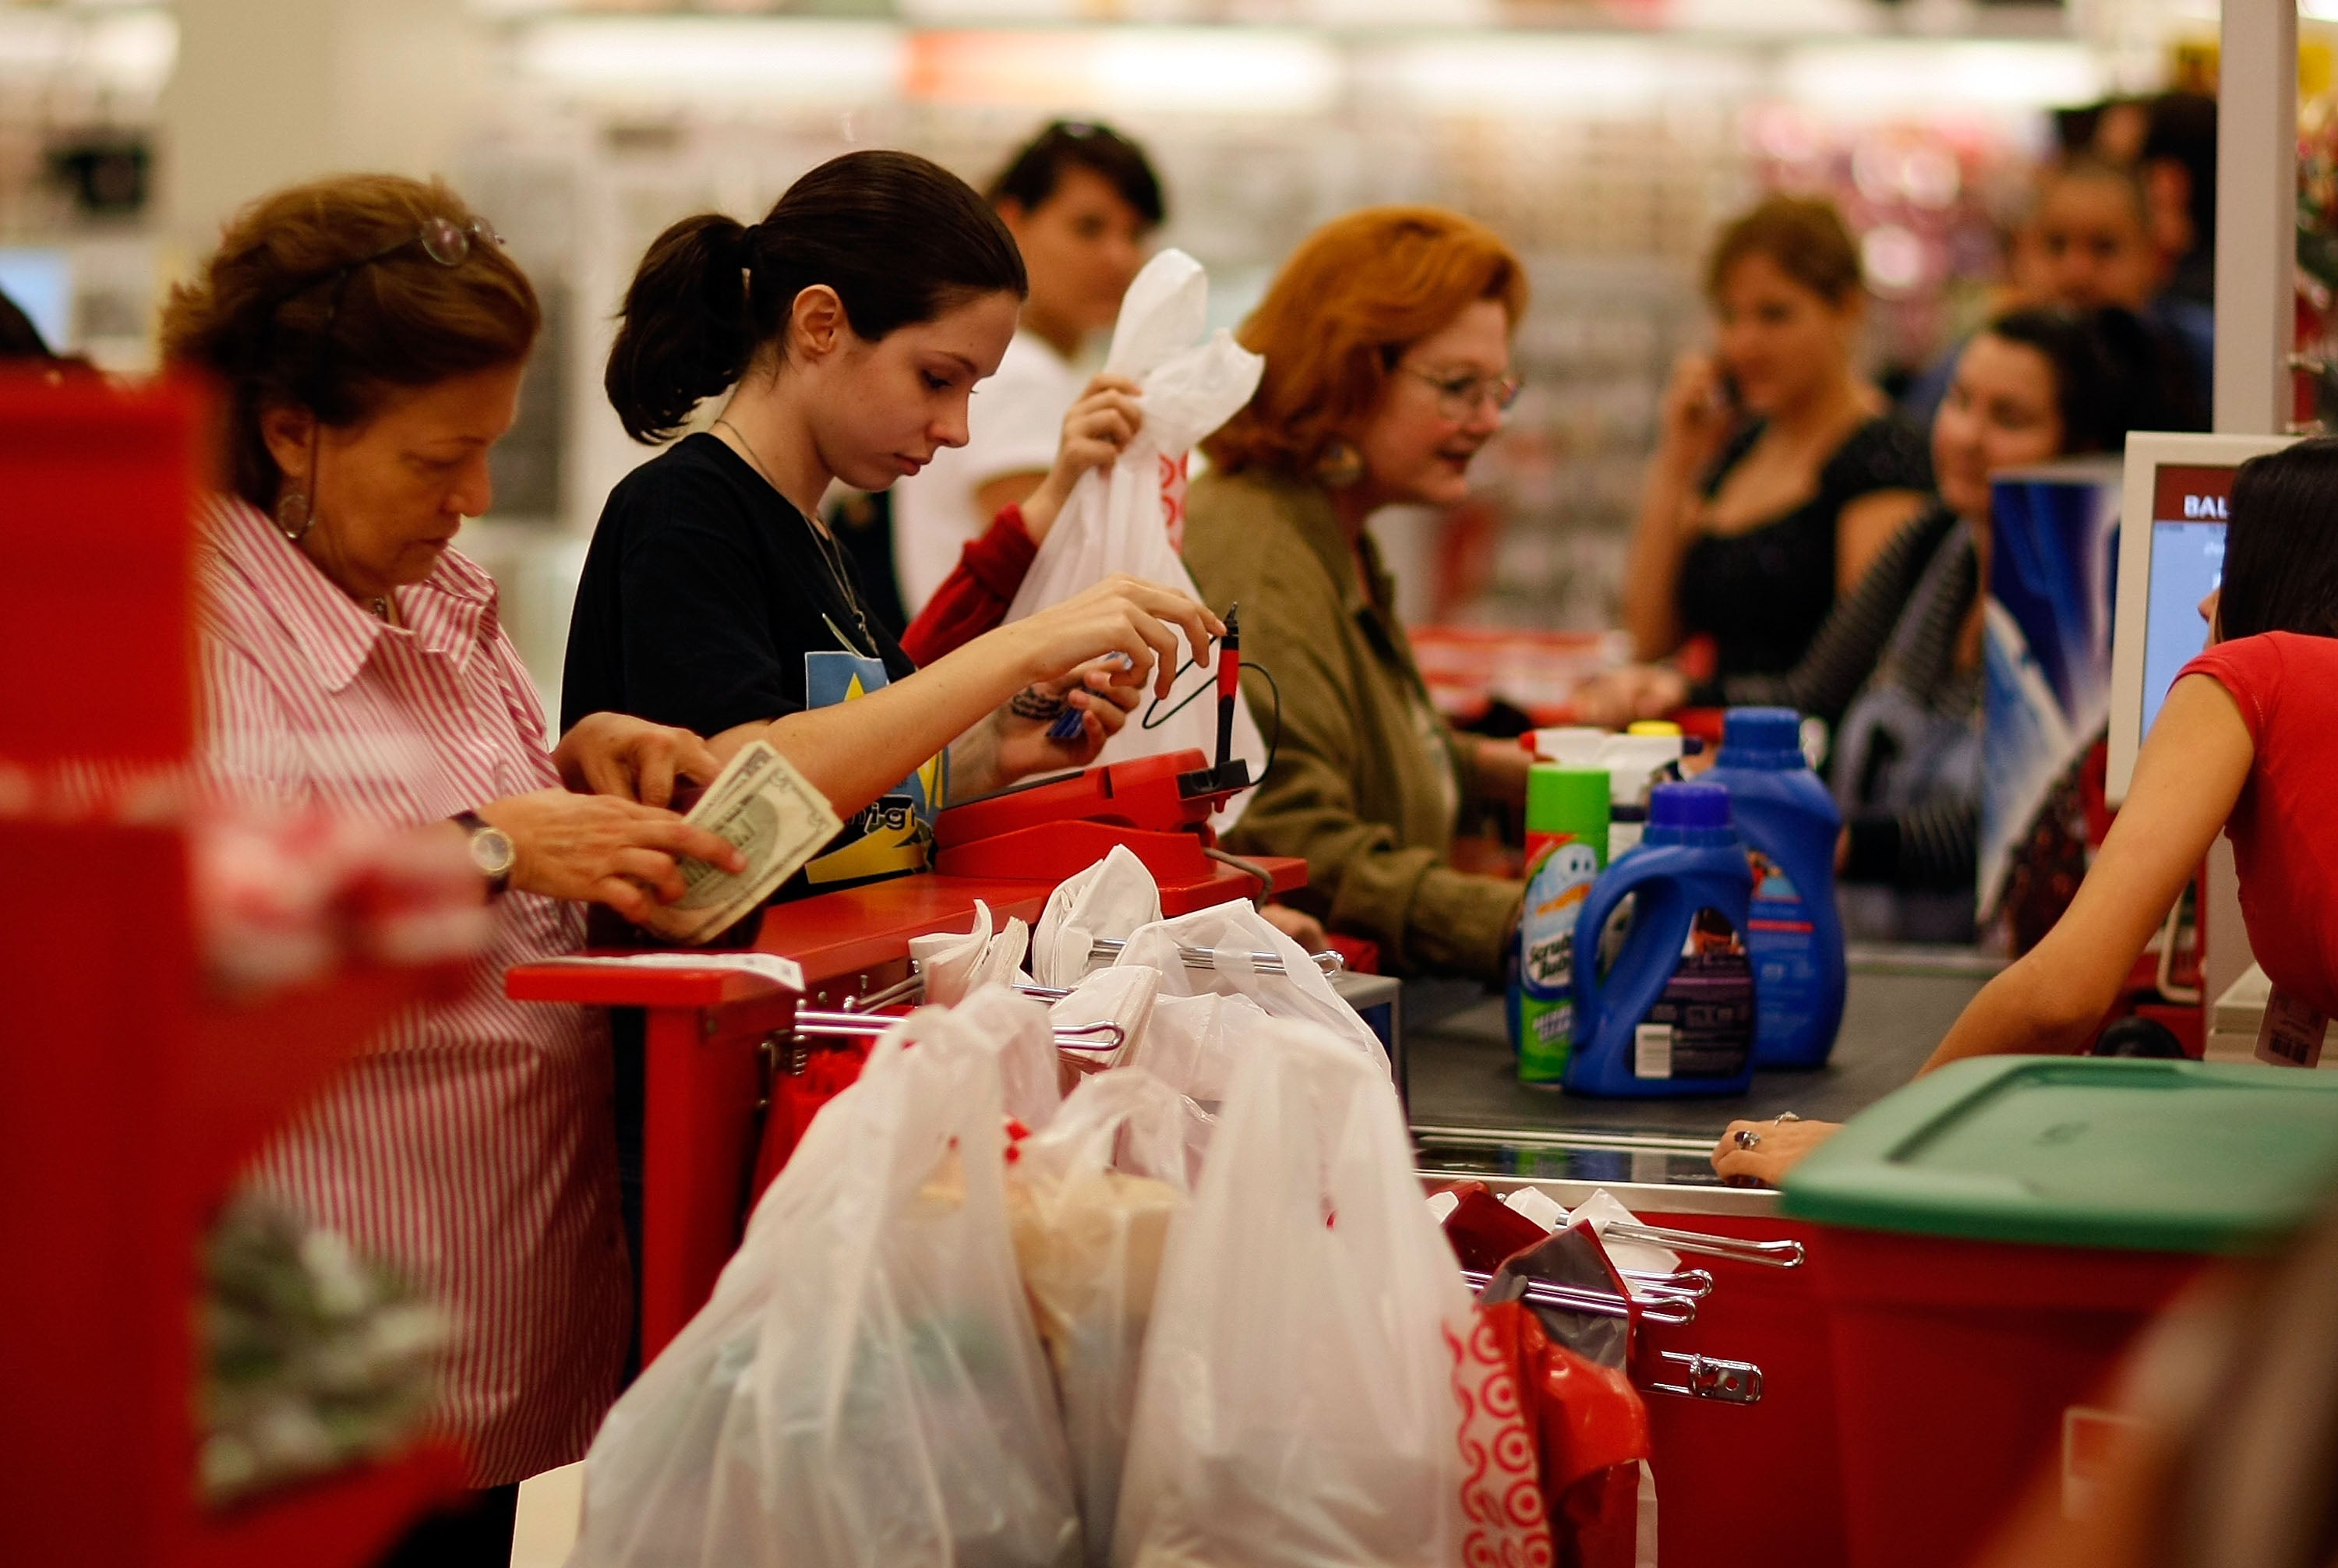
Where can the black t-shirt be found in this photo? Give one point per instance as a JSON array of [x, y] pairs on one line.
[[708, 602], [1763, 592]]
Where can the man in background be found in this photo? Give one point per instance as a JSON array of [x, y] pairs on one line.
[[2093, 243]]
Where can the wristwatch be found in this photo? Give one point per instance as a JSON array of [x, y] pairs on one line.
[[492, 851]]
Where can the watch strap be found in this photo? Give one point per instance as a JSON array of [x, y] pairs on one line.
[[471, 823]]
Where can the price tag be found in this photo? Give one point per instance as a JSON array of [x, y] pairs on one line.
[[1652, 1051], [2291, 1034]]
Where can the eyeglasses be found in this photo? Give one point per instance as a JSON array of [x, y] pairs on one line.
[[444, 240], [1458, 396]]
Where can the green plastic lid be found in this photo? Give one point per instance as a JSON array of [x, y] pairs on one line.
[[1567, 799], [2084, 1152]]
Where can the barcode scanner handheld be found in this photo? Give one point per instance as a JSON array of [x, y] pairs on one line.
[[1157, 807]]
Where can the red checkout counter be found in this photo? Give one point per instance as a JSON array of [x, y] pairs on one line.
[[712, 1035]]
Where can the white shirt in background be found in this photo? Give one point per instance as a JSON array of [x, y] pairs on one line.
[[1015, 423]]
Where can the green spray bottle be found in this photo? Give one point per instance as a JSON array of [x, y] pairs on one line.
[[1566, 848]]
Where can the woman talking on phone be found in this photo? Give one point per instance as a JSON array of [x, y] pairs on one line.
[[1779, 473], [849, 327]]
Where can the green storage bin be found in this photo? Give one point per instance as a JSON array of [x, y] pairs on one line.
[[2084, 1152]]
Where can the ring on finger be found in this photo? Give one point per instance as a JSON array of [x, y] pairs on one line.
[[1782, 1117], [1746, 1138]]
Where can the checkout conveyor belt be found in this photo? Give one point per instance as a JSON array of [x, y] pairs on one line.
[[1470, 1115]]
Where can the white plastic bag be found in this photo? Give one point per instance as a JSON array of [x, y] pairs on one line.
[[1091, 1199], [866, 1389], [954, 965], [1193, 1043], [1023, 1033], [1121, 519], [1124, 996], [1599, 1212], [1233, 932], [1295, 1408], [1106, 902]]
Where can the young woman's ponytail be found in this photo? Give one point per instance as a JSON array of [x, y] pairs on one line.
[[686, 331], [900, 239]]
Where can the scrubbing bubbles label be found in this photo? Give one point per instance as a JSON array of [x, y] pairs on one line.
[[1556, 885]]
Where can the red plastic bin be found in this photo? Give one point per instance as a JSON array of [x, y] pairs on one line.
[[1994, 1236], [1956, 1365]]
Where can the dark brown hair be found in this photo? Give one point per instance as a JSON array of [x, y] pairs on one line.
[[1354, 296], [1032, 175], [259, 317], [2280, 569], [900, 238], [1802, 236]]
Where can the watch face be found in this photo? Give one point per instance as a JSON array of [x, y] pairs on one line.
[[492, 852]]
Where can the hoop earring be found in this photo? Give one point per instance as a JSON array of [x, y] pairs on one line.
[[1339, 465], [294, 515]]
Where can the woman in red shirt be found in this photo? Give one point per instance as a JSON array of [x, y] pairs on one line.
[[2246, 743]]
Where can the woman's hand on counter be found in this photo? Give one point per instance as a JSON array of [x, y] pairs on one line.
[[1778, 1147], [1298, 925], [632, 758], [1097, 431], [1614, 698], [601, 849]]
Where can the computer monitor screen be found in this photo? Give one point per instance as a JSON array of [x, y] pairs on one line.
[[2172, 521], [2187, 562], [40, 279]]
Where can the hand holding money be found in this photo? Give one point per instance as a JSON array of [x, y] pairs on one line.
[[766, 810]]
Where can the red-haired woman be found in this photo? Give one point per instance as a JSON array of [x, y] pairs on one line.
[[1387, 339]]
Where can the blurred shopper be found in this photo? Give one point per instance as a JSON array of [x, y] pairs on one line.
[[2178, 161], [1780, 471], [367, 334], [1082, 202], [1898, 666], [2242, 746], [1387, 339], [848, 330], [2095, 238]]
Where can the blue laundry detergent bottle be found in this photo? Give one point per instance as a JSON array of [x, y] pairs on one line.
[[1674, 1014], [1789, 824]]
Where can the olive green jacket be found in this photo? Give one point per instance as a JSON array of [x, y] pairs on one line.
[[1367, 779]]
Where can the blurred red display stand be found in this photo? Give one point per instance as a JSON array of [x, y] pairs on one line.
[[131, 1094], [1468, 668]]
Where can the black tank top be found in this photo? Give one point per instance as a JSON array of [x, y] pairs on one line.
[[1760, 594]]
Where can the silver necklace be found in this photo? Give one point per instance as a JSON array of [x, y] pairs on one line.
[[831, 553]]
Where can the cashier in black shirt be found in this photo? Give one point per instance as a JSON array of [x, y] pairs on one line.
[[851, 325]]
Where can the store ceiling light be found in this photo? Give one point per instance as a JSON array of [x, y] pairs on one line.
[[1121, 70], [781, 62], [1897, 76], [1771, 18], [126, 50], [1553, 73]]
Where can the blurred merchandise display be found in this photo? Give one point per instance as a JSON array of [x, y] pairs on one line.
[[314, 1358], [1604, 138]]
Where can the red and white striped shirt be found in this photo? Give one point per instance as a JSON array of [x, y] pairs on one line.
[[472, 1145]]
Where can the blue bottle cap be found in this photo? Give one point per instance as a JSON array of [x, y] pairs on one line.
[[1688, 806], [1761, 737]]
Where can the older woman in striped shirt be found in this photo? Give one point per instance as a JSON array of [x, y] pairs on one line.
[[368, 333]]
